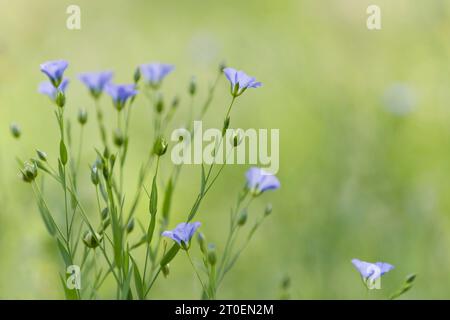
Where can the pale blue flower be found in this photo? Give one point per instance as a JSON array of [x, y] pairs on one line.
[[96, 81], [371, 271], [54, 70], [120, 93], [154, 73], [240, 81], [183, 233], [259, 180], [47, 88]]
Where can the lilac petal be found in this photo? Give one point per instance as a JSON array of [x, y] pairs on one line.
[[54, 69], [269, 182], [253, 176], [364, 268], [384, 267], [230, 73]]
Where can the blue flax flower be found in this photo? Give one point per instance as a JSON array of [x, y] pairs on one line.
[[49, 90], [154, 73], [240, 81], [183, 233], [259, 180], [96, 81], [371, 271], [55, 70], [120, 93]]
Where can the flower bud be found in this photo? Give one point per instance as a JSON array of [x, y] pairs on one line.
[[42, 155], [202, 242], [159, 104], [137, 75], [105, 213], [82, 116], [236, 138], [60, 99], [15, 130], [29, 172], [268, 209], [226, 125], [160, 146], [118, 137], [222, 66], [94, 175], [242, 218], [130, 225], [192, 86], [175, 102], [212, 257], [90, 240], [165, 270]]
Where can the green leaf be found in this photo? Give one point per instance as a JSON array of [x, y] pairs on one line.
[[153, 198], [170, 255], [49, 223], [167, 201], [137, 280], [203, 181], [63, 152], [64, 253]]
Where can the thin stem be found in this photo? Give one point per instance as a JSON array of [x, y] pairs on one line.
[[196, 272]]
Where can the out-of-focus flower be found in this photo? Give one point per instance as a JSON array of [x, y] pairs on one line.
[[49, 90], [29, 172], [120, 93], [371, 271], [96, 81], [154, 73], [399, 99], [259, 180], [54, 70], [183, 233], [240, 81]]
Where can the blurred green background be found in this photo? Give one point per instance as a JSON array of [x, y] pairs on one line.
[[364, 123]]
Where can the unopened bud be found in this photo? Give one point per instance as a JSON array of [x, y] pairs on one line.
[[192, 86], [130, 226], [212, 257], [242, 218], [90, 240], [29, 172], [94, 175], [165, 270], [105, 213], [226, 125], [137, 75], [82, 116], [118, 137], [60, 99], [41, 155], [175, 102], [159, 104], [202, 242], [15, 130], [160, 146], [268, 209]]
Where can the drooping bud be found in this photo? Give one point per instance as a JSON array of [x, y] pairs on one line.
[[82, 116], [90, 240], [160, 146], [41, 155], [15, 130], [212, 257], [118, 137], [192, 86]]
